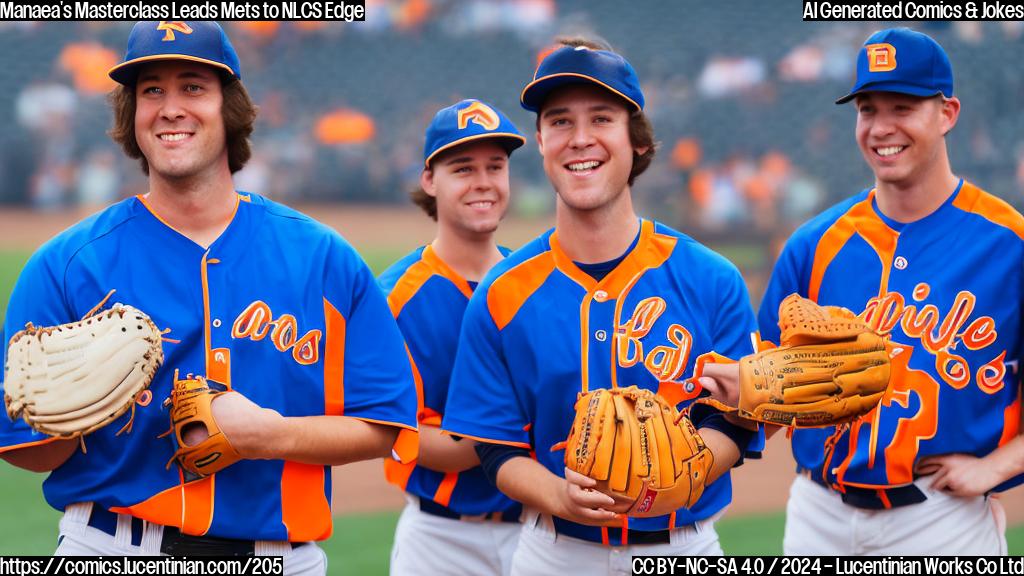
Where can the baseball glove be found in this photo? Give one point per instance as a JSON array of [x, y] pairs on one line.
[[829, 369], [191, 405], [638, 447], [73, 379]]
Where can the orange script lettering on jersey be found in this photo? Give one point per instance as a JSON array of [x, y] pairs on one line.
[[941, 333], [666, 362], [257, 321]]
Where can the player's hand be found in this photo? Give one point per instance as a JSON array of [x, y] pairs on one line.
[[723, 382], [959, 474], [584, 505], [249, 428]]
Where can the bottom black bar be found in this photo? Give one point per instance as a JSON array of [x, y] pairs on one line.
[[827, 565], [150, 565]]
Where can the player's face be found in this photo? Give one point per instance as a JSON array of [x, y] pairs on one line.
[[178, 121], [902, 136], [471, 186], [583, 136]]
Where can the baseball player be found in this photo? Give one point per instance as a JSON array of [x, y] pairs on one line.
[[256, 297], [604, 299], [456, 521], [938, 264]]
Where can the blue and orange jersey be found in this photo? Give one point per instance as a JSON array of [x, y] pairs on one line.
[[279, 308], [948, 290], [428, 299], [539, 331]]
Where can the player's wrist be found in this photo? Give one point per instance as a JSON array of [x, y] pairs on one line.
[[275, 440]]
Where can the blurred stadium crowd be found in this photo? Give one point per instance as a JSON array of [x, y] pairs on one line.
[[740, 94]]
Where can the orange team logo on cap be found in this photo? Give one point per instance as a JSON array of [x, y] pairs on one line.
[[881, 57], [479, 113], [171, 27]]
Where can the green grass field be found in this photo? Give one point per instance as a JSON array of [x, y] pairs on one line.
[[361, 543]]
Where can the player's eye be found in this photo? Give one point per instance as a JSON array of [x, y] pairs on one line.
[[193, 88], [151, 90], [602, 119], [560, 122]]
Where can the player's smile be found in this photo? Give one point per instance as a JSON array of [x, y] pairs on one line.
[[178, 121], [471, 186], [900, 135], [584, 138]]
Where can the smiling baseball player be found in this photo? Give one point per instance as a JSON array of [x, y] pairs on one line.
[[259, 299], [604, 300], [937, 264], [456, 522]]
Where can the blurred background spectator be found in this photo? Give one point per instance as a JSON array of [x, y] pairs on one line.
[[740, 94]]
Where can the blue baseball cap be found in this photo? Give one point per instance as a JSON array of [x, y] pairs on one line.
[[904, 61], [581, 65], [466, 121], [198, 41]]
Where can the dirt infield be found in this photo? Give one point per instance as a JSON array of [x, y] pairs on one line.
[[759, 485]]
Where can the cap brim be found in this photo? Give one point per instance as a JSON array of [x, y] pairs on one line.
[[895, 87], [125, 73], [533, 96], [507, 140]]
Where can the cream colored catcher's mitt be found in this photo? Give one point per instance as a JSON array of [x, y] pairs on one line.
[[639, 448], [73, 379]]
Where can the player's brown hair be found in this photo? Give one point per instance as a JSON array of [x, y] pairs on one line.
[[237, 110], [425, 201], [641, 132]]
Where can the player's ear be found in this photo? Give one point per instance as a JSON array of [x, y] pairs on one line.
[[427, 182], [540, 143], [950, 112]]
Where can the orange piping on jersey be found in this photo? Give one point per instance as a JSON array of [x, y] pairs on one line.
[[604, 535], [398, 472], [1011, 422], [585, 342], [305, 511], [860, 219], [651, 252], [976, 201], [28, 444], [884, 498], [442, 268], [876, 419], [407, 444], [625, 531], [334, 361], [853, 436], [408, 285], [443, 494], [672, 520], [510, 291], [142, 198], [431, 417], [416, 276], [488, 440], [206, 309]]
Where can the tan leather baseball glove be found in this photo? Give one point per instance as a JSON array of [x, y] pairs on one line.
[[638, 447], [829, 369], [191, 404], [72, 379]]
